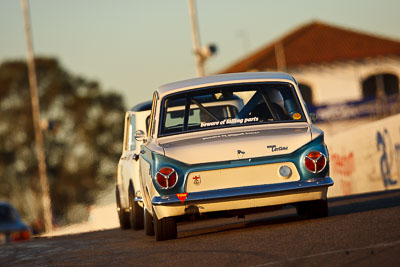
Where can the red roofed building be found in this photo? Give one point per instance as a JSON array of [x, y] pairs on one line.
[[331, 64]]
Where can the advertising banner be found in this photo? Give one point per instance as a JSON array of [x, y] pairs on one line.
[[366, 158]]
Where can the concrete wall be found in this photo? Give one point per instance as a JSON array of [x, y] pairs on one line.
[[366, 158]]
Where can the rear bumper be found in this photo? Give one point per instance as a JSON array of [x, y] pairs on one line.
[[243, 197]]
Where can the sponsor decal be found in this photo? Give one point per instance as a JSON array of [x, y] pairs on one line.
[[229, 135], [182, 196], [240, 154], [296, 116], [343, 164], [229, 121], [274, 148], [197, 180]]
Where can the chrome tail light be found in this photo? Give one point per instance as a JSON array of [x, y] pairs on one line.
[[167, 177], [315, 161]]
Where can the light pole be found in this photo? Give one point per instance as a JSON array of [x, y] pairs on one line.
[[195, 38], [40, 153], [201, 53]]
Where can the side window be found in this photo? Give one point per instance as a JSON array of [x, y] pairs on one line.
[[174, 115], [152, 115], [126, 134], [131, 133], [147, 124]]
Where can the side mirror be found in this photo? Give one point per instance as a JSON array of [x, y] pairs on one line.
[[139, 135], [313, 117]]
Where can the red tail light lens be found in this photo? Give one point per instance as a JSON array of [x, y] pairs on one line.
[[20, 236], [167, 177], [315, 161]]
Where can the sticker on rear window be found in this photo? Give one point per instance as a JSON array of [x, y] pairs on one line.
[[296, 116], [229, 121]]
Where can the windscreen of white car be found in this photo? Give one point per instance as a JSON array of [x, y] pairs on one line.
[[230, 106]]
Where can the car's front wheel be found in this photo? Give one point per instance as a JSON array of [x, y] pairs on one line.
[[123, 216], [312, 209], [135, 211], [164, 228]]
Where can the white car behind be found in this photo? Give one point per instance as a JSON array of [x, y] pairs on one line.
[[128, 195]]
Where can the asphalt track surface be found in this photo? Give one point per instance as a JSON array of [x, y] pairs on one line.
[[361, 230]]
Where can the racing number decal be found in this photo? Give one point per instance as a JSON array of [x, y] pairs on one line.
[[385, 160]]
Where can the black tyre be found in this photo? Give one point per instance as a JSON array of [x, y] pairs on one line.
[[312, 209], [164, 228], [135, 211], [148, 223], [124, 221]]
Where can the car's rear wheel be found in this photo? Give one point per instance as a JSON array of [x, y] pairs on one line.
[[164, 228], [123, 216], [312, 209], [148, 223], [135, 211]]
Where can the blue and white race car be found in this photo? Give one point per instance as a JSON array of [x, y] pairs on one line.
[[230, 144]]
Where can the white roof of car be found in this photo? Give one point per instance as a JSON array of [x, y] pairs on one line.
[[220, 79]]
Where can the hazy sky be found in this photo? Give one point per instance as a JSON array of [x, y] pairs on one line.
[[133, 46]]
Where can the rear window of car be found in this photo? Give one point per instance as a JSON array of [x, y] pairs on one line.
[[230, 106]]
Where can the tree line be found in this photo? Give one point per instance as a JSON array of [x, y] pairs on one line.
[[83, 139]]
